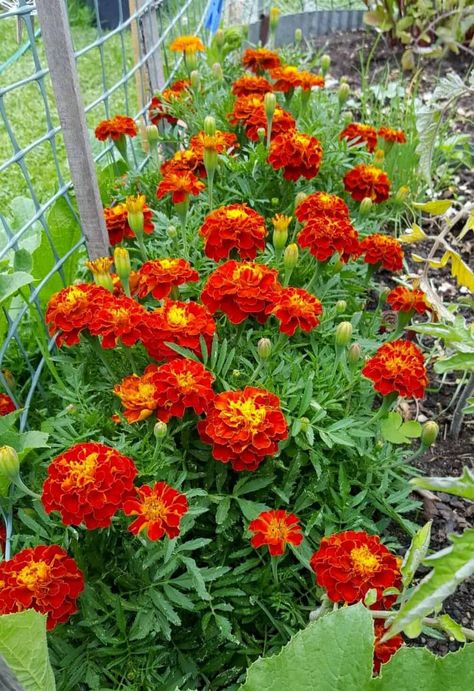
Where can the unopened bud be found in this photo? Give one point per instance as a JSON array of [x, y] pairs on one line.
[[379, 157], [190, 59], [274, 18], [275, 201], [172, 232], [136, 219], [347, 117], [236, 373], [343, 334], [341, 306], [264, 348], [290, 256], [280, 233], [402, 193], [354, 354], [325, 64], [343, 93], [429, 433], [210, 125], [195, 80], [9, 463], [219, 38], [261, 134], [122, 263], [217, 71], [152, 134], [305, 423], [365, 206], [269, 103], [298, 36], [299, 199], [160, 430]]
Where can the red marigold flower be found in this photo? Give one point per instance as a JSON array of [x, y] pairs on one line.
[[403, 299], [236, 226], [244, 107], [88, 484], [398, 367], [180, 186], [139, 395], [282, 122], [321, 204], [298, 154], [181, 384], [158, 109], [6, 404], [241, 290], [349, 564], [384, 651], [296, 308], [392, 135], [260, 59], [115, 128], [120, 318], [383, 250], [159, 276], [367, 181], [177, 322], [289, 77], [187, 43], [72, 309], [325, 235], [220, 142], [357, 133], [249, 84], [159, 510], [116, 221], [244, 427], [276, 529], [43, 578], [184, 161]]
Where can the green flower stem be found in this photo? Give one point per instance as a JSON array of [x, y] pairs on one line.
[[18, 482], [274, 564], [182, 209], [141, 246], [426, 621], [384, 408], [269, 131], [99, 351]]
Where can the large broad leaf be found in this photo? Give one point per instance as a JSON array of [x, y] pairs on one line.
[[23, 646], [450, 567], [396, 431], [460, 486], [458, 361], [331, 654], [11, 283]]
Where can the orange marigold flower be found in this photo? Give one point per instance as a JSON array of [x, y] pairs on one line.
[[180, 185], [289, 77], [220, 142], [158, 108], [383, 250], [119, 319], [241, 290], [403, 299], [115, 128], [159, 510], [235, 226], [181, 323], [44, 578], [384, 651], [72, 309], [244, 107], [349, 564], [88, 484], [187, 43], [326, 235], [392, 135], [258, 60], [6, 404], [186, 160], [357, 133], [367, 181], [276, 529], [298, 154], [248, 84], [282, 122], [181, 384], [138, 395], [321, 204], [159, 276], [244, 427], [116, 222], [398, 367], [296, 308]]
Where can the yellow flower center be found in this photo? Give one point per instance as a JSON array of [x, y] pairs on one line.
[[300, 138], [177, 316], [168, 263], [74, 295], [135, 204], [277, 529], [153, 508], [246, 411], [32, 575], [298, 302], [120, 315], [364, 561], [236, 213], [80, 473], [281, 222], [185, 381], [251, 272]]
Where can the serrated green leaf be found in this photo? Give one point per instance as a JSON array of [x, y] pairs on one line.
[[457, 361], [415, 554], [462, 486], [452, 628]]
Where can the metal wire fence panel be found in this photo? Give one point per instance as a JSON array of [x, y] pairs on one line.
[[252, 9], [121, 55]]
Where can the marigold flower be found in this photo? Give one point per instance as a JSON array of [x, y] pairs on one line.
[[116, 221], [88, 484], [159, 276], [367, 181], [43, 578], [241, 290], [181, 384], [260, 59], [186, 160], [384, 651], [403, 299], [6, 404], [115, 128], [349, 564], [245, 106], [138, 395], [182, 323], [281, 222], [383, 250], [282, 122], [158, 108], [276, 529], [298, 154], [326, 235], [321, 204], [249, 84], [244, 427], [392, 135], [357, 133], [71, 310], [180, 186], [102, 265], [119, 319], [289, 77], [296, 308], [235, 226], [187, 43], [220, 142], [398, 367], [159, 510]]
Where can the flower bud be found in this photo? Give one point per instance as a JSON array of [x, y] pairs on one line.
[[290, 256], [343, 334], [298, 36], [299, 199], [344, 79], [236, 373], [341, 306], [136, 219], [354, 354], [9, 378], [9, 463], [264, 348], [280, 234], [402, 193], [195, 80], [261, 134], [100, 269], [172, 232], [122, 263], [190, 59], [160, 430], [152, 134], [274, 18], [275, 201], [217, 71], [325, 63], [209, 125], [365, 206], [343, 93], [305, 423], [379, 157], [429, 433], [219, 38], [269, 103], [347, 117]]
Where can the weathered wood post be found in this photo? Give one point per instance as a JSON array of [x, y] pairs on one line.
[[62, 66]]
